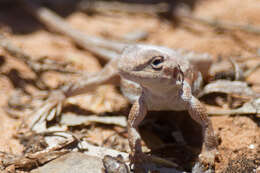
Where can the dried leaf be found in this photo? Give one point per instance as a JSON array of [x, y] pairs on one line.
[[228, 87], [252, 107], [74, 120]]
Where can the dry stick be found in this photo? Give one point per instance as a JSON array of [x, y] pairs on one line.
[[237, 70], [103, 6], [135, 36], [247, 108], [251, 70], [92, 44], [248, 72], [32, 160], [35, 66], [15, 51], [221, 24], [239, 74]]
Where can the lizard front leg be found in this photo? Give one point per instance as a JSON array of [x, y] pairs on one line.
[[53, 105], [136, 115], [108, 75], [198, 112]]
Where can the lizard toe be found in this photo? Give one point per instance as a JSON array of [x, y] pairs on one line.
[[200, 168], [207, 158]]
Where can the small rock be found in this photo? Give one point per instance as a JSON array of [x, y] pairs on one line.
[[73, 162], [251, 146]]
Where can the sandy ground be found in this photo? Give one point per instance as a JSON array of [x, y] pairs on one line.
[[240, 135]]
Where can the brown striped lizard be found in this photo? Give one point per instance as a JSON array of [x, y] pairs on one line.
[[152, 78]]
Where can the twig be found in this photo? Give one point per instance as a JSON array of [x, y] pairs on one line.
[[237, 70], [35, 66], [221, 24], [31, 160], [104, 6], [135, 36], [92, 44], [238, 88], [251, 70], [252, 107]]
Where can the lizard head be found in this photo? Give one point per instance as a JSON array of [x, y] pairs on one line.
[[151, 65]]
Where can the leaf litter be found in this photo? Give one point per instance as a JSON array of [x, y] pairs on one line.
[[58, 137]]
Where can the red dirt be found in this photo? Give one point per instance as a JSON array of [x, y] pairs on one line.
[[240, 135]]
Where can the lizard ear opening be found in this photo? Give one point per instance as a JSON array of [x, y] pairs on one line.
[[156, 62]]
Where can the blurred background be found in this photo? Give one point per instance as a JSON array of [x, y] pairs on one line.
[[45, 44]]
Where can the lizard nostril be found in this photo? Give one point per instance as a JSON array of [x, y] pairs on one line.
[[175, 72], [178, 74]]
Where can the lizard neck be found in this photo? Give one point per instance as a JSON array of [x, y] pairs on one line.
[[162, 90]]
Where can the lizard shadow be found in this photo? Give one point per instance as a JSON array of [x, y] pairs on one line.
[[163, 126], [13, 10]]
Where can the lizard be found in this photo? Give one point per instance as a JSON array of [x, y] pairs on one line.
[[152, 78]]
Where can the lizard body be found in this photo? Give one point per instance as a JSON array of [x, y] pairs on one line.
[[153, 78], [164, 80]]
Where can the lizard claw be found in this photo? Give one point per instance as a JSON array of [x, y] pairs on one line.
[[199, 168], [50, 109], [207, 158], [206, 162]]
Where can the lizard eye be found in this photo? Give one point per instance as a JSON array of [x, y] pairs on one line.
[[157, 62]]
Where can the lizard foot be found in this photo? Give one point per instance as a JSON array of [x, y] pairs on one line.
[[50, 109], [138, 158], [206, 162], [199, 168], [207, 158]]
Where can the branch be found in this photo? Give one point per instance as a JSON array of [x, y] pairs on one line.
[[92, 44], [35, 66], [221, 24]]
